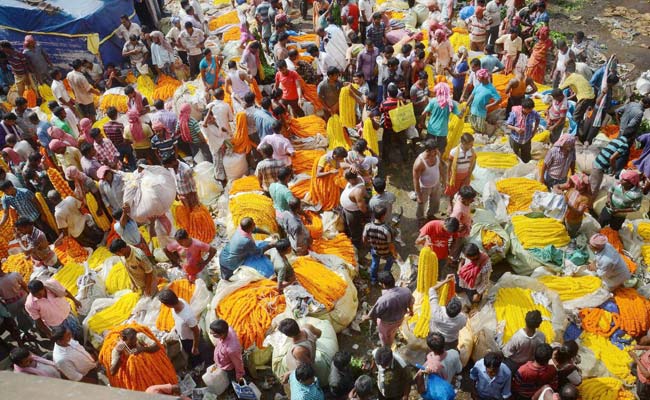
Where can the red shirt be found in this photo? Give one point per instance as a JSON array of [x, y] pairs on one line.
[[352, 11], [435, 230], [531, 377], [288, 84]]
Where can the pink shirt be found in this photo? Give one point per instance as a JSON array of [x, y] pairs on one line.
[[228, 354], [14, 157], [53, 309], [463, 214], [281, 147], [191, 254]]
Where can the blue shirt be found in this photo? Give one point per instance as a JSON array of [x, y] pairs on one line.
[[597, 78], [304, 392], [41, 133], [22, 203], [483, 94], [130, 233], [439, 120], [490, 62], [210, 70], [263, 122], [460, 81], [493, 388], [238, 249], [529, 125]]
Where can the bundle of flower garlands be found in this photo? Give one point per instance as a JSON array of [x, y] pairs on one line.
[[119, 101], [307, 126], [520, 191], [539, 232], [19, 263], [197, 222], [326, 286], [146, 87], [256, 206], [165, 87], [138, 371]]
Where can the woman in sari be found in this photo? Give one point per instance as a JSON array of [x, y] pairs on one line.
[[327, 180], [536, 67]]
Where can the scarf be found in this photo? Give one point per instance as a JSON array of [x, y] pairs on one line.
[[471, 270], [34, 370], [443, 96], [163, 42], [79, 178], [85, 125], [519, 117], [184, 122], [135, 125]]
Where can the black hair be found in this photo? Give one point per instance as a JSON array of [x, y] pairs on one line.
[[18, 354], [379, 211], [349, 175], [207, 51], [181, 234], [168, 297], [386, 278], [379, 184], [283, 245], [111, 112], [467, 192], [528, 103], [117, 245], [543, 353], [568, 392], [392, 90], [493, 360], [95, 132], [383, 355], [20, 101], [475, 62], [289, 327], [266, 150], [453, 308], [22, 221], [304, 372], [6, 184], [219, 327], [533, 319], [341, 359], [85, 148], [331, 71], [159, 104], [452, 224], [363, 386], [246, 223], [436, 342], [471, 250], [340, 152], [35, 286], [58, 332], [249, 98]]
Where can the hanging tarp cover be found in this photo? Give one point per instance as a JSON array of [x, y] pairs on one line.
[[67, 29]]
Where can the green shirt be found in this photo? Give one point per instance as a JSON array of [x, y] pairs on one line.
[[280, 195], [625, 198]]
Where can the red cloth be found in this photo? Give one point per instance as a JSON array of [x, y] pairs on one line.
[[470, 270], [288, 84], [531, 377]]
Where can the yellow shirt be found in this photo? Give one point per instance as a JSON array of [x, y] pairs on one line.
[[580, 86], [71, 157], [145, 143]]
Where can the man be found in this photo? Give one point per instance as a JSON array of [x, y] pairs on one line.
[[112, 77], [512, 46], [556, 114], [188, 253], [631, 116], [390, 308], [166, 117], [292, 90], [128, 28], [163, 142], [186, 326], [304, 384], [478, 26], [523, 123], [267, 170], [83, 91], [65, 119], [428, 169], [184, 178], [355, 208], [20, 66], [533, 375], [59, 90], [393, 377], [137, 53], [264, 119], [437, 235], [192, 17], [583, 93], [41, 128], [491, 62], [132, 343], [28, 363], [611, 159], [71, 358], [222, 112], [366, 62], [291, 221], [438, 111], [227, 351], [66, 156], [389, 136], [26, 205], [262, 16], [34, 244], [303, 349], [608, 263], [492, 378], [284, 273], [89, 162], [282, 147], [128, 231], [447, 320], [521, 347], [382, 198], [47, 304], [13, 294], [241, 246], [483, 97], [22, 113], [563, 56], [450, 365], [329, 90], [366, 8], [237, 85], [209, 68], [192, 40], [279, 191], [72, 222], [140, 270], [280, 51], [114, 131], [376, 32], [379, 237]]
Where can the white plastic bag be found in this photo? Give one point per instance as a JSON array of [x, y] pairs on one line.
[[91, 286], [553, 205], [216, 380], [235, 165], [495, 202], [149, 193], [207, 188]]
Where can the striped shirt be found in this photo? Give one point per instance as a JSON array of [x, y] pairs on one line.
[[267, 171], [464, 158], [164, 146], [114, 131], [195, 130], [23, 203], [379, 237], [18, 63], [557, 163], [376, 34], [620, 145], [106, 151], [184, 179]]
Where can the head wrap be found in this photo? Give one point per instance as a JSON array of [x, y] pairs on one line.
[[565, 139], [581, 182], [163, 42], [175, 20], [184, 122], [598, 241], [631, 175], [57, 133], [72, 172], [482, 74], [543, 33], [56, 144], [29, 39], [157, 126], [101, 171], [463, 50], [443, 95], [135, 125], [440, 33], [86, 124]]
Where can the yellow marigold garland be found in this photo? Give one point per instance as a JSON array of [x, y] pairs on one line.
[[511, 306], [326, 286]]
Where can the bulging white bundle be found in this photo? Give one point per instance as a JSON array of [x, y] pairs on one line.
[[149, 193]]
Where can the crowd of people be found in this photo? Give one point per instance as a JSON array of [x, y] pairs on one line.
[[359, 51]]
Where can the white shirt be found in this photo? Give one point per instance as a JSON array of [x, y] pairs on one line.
[[493, 13], [172, 35], [366, 9], [440, 322], [510, 47], [73, 360], [222, 114], [521, 347], [80, 87], [67, 215], [192, 42], [59, 91], [184, 321], [124, 33], [451, 365], [160, 56]]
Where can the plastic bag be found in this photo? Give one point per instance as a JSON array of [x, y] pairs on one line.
[[553, 205], [90, 287], [485, 220], [216, 380], [207, 188], [235, 165], [495, 202], [149, 193], [438, 389]]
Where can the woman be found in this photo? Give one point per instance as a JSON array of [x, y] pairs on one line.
[[85, 125], [140, 135], [577, 192], [190, 132], [622, 198], [536, 67], [558, 161]]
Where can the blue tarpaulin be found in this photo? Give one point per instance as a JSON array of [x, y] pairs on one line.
[[69, 29]]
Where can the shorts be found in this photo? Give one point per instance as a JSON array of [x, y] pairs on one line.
[[478, 123], [87, 110]]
